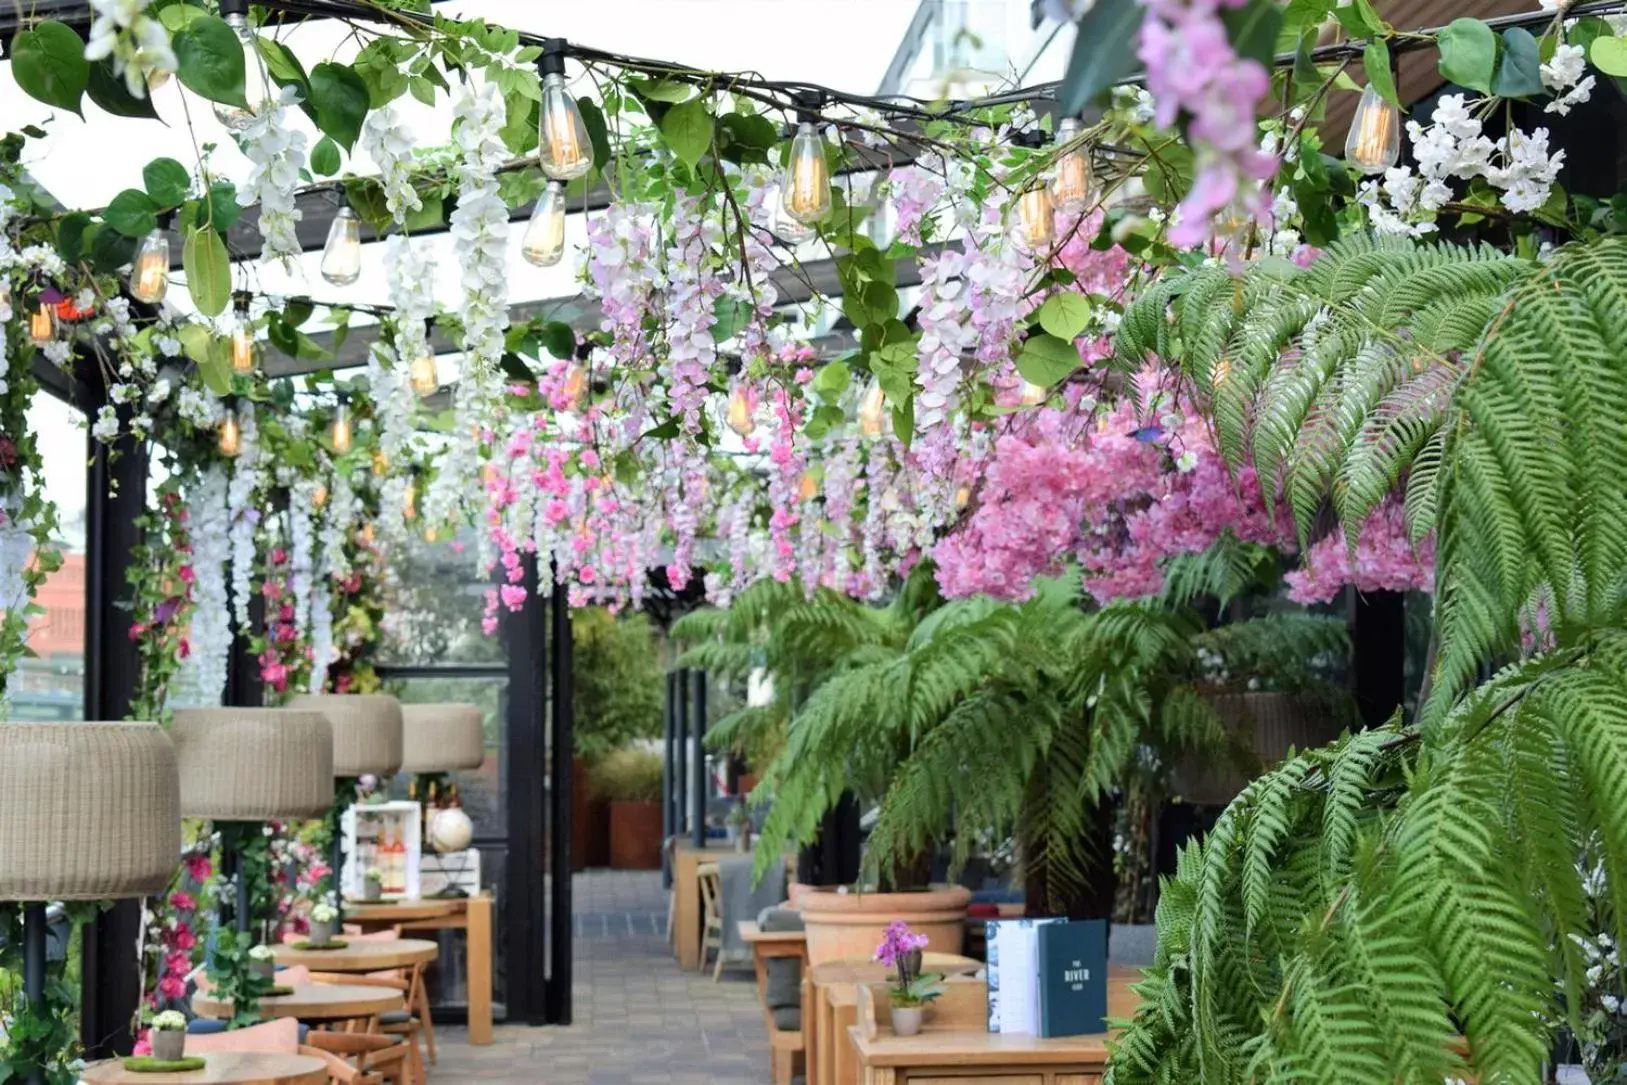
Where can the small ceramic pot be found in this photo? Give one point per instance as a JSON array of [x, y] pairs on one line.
[[168, 1045], [742, 841], [371, 889], [907, 1020], [322, 931]]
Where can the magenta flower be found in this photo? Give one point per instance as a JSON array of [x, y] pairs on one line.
[[899, 941]]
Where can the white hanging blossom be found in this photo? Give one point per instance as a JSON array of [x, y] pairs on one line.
[[480, 239], [301, 534], [211, 631], [389, 143], [278, 155], [139, 46], [243, 509], [412, 292]]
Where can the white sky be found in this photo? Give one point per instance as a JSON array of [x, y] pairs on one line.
[[845, 44]]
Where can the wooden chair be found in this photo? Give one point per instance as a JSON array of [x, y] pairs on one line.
[[404, 1033], [786, 1046], [380, 1058], [419, 1023], [712, 915]]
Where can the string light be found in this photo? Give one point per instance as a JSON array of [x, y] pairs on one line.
[[805, 185], [149, 275], [430, 534], [872, 410], [1032, 395], [244, 351], [5, 300], [1071, 186], [319, 496], [231, 433], [256, 85], [42, 324], [409, 501], [575, 383], [963, 497], [339, 435], [424, 374], [740, 415], [1037, 219], [810, 486], [381, 463], [367, 534], [1373, 144], [563, 149], [342, 255], [543, 244]]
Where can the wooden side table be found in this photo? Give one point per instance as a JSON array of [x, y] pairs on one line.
[[224, 1068], [829, 1008], [472, 915], [360, 956], [311, 1002]]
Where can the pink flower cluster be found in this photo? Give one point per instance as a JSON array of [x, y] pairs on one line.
[[1385, 560], [899, 941], [1192, 68]]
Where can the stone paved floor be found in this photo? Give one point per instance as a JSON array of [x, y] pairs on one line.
[[638, 1018]]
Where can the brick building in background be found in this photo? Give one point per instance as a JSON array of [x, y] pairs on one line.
[[51, 685]]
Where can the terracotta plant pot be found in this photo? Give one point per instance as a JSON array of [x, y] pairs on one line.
[[635, 835], [169, 1045], [907, 1020], [848, 925]]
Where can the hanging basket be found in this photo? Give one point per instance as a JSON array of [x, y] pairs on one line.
[[367, 732], [254, 764], [441, 738]]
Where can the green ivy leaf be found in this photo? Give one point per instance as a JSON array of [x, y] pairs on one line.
[[598, 133], [177, 17], [1103, 53], [108, 91], [1468, 54], [339, 98], [519, 124], [661, 90], [1519, 70], [70, 236], [325, 157], [1045, 360], [1064, 315], [559, 339], [832, 380], [731, 315], [208, 271], [49, 64], [1360, 20], [1252, 29], [219, 209], [132, 213], [282, 65], [1609, 55], [110, 250], [1376, 59], [167, 181], [687, 128], [209, 61]]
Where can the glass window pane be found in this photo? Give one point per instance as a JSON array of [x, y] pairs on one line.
[[433, 605], [51, 685]]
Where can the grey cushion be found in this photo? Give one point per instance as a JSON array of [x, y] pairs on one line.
[[784, 987], [395, 1017], [788, 1018]]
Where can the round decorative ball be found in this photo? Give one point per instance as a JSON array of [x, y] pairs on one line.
[[451, 830]]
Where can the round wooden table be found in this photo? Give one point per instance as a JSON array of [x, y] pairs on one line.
[[386, 913], [220, 1068], [313, 1002], [360, 956]]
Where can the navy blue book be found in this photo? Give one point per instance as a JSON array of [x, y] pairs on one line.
[[1072, 978]]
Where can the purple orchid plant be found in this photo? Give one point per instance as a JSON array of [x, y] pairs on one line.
[[900, 949]]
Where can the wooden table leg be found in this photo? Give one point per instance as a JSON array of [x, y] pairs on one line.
[[844, 1066], [686, 912], [479, 935], [810, 1029]]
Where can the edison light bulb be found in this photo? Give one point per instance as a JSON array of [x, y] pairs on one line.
[[576, 381], [381, 462], [256, 85], [810, 486], [1070, 188], [231, 436], [963, 497], [42, 324], [1032, 395], [367, 534], [563, 149], [243, 350], [872, 410], [149, 277], [424, 375], [1037, 222], [319, 496], [5, 301], [805, 186], [339, 433], [544, 240], [342, 255], [409, 502], [1374, 142], [739, 415]]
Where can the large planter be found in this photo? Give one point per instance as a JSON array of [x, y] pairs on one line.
[[590, 821], [843, 926], [635, 835], [1265, 724]]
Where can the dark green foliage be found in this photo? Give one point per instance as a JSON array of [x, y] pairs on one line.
[[616, 676]]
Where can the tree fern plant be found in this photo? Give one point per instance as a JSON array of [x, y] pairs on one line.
[[1406, 905]]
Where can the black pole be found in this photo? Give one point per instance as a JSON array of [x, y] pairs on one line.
[[34, 969], [697, 828], [524, 915], [680, 749], [115, 498], [668, 721], [1380, 640], [559, 816]]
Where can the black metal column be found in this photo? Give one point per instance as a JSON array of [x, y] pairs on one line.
[[680, 749], [244, 687], [697, 799], [1380, 641], [559, 815], [523, 930], [115, 497], [668, 818]]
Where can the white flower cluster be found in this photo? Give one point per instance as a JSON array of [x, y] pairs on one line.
[[211, 631], [389, 143], [301, 534], [1453, 147], [480, 239], [277, 152], [1565, 75], [412, 291], [138, 46], [242, 504]]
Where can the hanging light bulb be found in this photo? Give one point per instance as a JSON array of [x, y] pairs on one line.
[[339, 434], [319, 496], [409, 502], [563, 149], [231, 433], [42, 324], [430, 534], [963, 497], [342, 255], [805, 185], [256, 85], [1373, 144], [424, 374], [810, 486], [149, 276], [381, 463], [790, 231], [543, 243], [1070, 187], [575, 383], [740, 413], [1032, 395], [872, 409], [5, 301], [367, 534], [1036, 217], [244, 351]]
